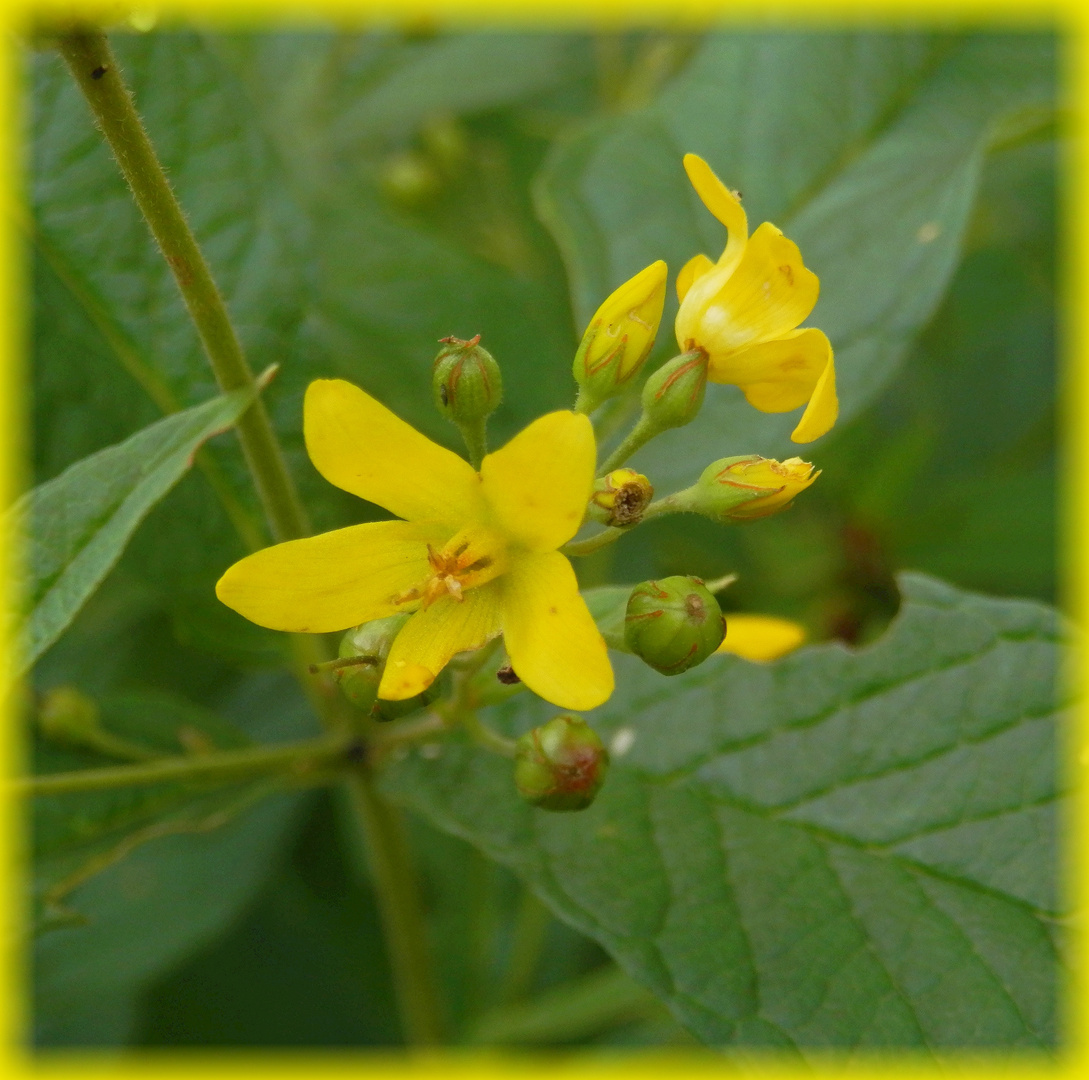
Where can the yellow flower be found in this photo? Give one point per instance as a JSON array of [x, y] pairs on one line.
[[743, 312], [760, 637], [475, 557], [782, 480]]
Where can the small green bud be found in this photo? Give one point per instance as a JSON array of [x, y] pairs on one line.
[[69, 716], [367, 646], [620, 498], [409, 180], [673, 624], [560, 765], [673, 395], [466, 381]]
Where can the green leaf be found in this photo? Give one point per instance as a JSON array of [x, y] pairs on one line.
[[866, 149], [80, 522], [840, 849]]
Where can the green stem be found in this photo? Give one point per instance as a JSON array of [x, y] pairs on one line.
[[95, 69], [578, 548], [398, 897], [292, 757], [639, 435]]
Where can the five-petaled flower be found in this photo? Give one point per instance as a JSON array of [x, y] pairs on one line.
[[475, 557], [743, 312]]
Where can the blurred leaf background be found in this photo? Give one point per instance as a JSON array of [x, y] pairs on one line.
[[361, 194]]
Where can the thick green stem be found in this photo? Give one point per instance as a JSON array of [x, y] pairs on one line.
[[92, 63], [299, 757], [95, 70], [398, 897]]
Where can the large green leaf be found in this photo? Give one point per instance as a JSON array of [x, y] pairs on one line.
[[841, 849], [865, 149], [79, 522]]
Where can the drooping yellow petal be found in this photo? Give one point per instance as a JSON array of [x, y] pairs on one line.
[[435, 634], [761, 637], [822, 410], [691, 272], [723, 203], [356, 443], [777, 375], [769, 292], [537, 486], [331, 581], [554, 645]]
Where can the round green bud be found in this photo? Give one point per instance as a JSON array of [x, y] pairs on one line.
[[673, 624], [466, 381], [409, 180], [673, 395], [560, 765], [66, 715], [366, 648]]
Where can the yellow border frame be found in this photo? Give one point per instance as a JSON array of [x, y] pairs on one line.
[[1070, 18]]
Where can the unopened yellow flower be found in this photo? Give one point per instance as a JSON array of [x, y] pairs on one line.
[[475, 557], [781, 480], [743, 311], [761, 637]]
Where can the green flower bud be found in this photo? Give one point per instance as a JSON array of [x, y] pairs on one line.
[[560, 765], [620, 498], [69, 717], [673, 624], [466, 381], [409, 180], [620, 337], [673, 395], [366, 648], [746, 487]]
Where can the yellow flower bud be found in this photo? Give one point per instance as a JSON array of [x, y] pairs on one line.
[[620, 336], [775, 483], [620, 498]]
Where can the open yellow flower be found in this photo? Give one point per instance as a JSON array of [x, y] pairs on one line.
[[743, 311], [475, 557]]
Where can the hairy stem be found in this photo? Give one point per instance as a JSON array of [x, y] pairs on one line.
[[578, 548], [95, 69], [638, 437], [299, 757]]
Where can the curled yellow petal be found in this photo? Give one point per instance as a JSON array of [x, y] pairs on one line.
[[761, 637], [722, 202], [331, 581], [537, 486], [434, 635], [823, 408], [691, 272], [554, 645], [356, 443], [777, 375]]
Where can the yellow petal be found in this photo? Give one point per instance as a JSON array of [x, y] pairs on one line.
[[768, 293], [822, 410], [761, 637], [436, 634], [722, 202], [356, 443], [331, 581], [537, 486], [553, 644], [777, 375], [692, 271]]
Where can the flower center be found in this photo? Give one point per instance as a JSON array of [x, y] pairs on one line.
[[470, 558]]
